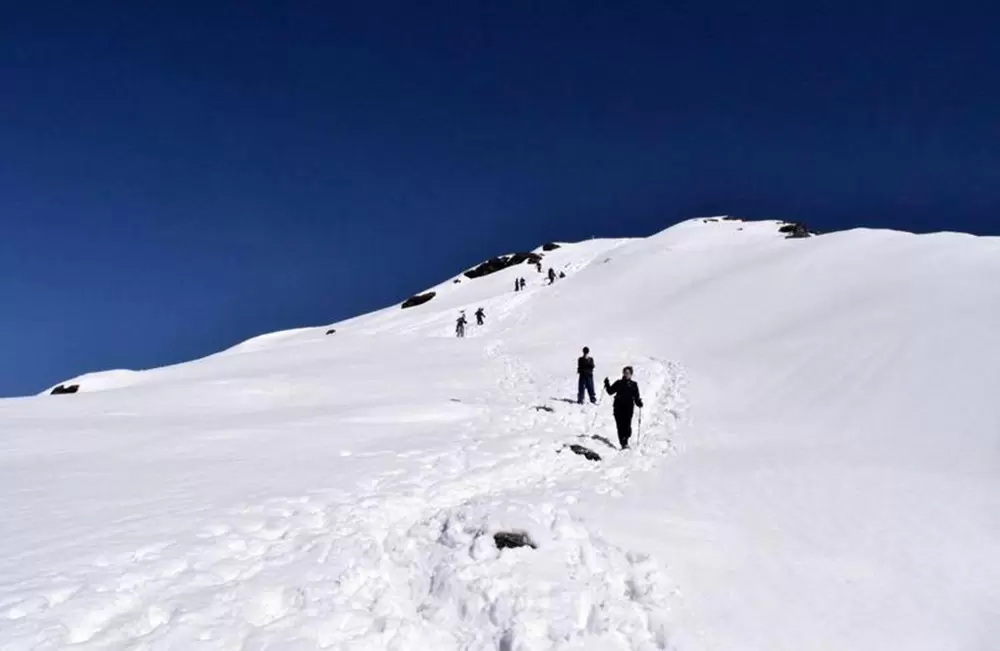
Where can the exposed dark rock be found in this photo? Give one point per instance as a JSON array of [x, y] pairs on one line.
[[331, 331], [64, 389], [513, 540], [544, 408], [457, 280], [531, 258], [550, 246], [587, 453], [794, 230], [419, 299], [502, 262]]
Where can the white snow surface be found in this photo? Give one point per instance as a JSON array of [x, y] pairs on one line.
[[818, 465]]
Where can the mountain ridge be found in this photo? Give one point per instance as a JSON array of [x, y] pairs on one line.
[[96, 380]]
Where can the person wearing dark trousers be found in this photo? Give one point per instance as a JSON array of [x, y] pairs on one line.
[[480, 316], [585, 369], [626, 393]]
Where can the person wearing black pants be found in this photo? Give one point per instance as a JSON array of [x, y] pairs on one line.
[[585, 369], [626, 393]]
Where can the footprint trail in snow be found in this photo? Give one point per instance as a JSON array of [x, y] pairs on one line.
[[408, 562]]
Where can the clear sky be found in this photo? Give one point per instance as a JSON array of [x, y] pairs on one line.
[[176, 177]]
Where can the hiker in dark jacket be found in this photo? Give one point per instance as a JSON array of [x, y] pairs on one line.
[[585, 369], [552, 275], [626, 393], [480, 316], [524, 283], [517, 285], [460, 326]]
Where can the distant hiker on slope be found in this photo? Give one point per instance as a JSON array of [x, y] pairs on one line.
[[517, 285], [538, 265], [524, 283], [480, 316], [626, 393], [585, 369], [552, 275], [460, 326]]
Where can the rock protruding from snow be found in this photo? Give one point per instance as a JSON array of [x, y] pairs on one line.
[[513, 540], [794, 230], [64, 389], [500, 263], [550, 246], [418, 299], [584, 452]]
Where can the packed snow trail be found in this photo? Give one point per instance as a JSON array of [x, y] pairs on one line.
[[408, 562]]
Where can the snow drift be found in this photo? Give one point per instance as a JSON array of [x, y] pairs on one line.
[[817, 466]]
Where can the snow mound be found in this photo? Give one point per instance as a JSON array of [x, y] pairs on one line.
[[101, 381]]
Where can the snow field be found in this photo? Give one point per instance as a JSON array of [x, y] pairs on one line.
[[817, 467], [403, 561]]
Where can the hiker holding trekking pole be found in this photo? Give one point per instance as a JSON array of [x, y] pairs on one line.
[[626, 393]]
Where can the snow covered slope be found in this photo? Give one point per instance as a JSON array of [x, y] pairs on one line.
[[818, 468]]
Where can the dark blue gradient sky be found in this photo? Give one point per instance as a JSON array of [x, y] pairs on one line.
[[177, 177]]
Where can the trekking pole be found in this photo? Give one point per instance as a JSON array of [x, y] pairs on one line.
[[597, 411]]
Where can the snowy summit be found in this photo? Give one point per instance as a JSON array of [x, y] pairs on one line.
[[815, 464]]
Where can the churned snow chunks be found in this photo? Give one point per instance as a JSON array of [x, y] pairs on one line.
[[573, 590], [418, 299], [64, 389], [550, 246], [584, 452], [513, 540], [500, 263]]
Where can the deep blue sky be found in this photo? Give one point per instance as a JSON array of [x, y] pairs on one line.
[[174, 179]]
